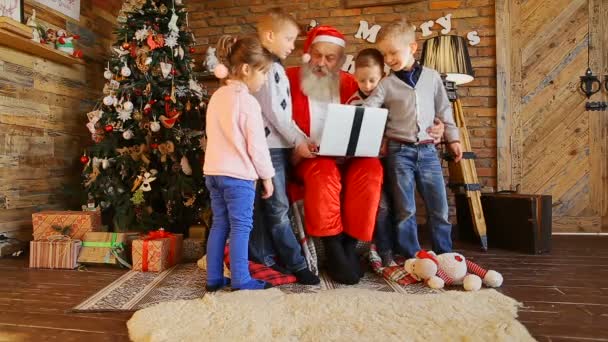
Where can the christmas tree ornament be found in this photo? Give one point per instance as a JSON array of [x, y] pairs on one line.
[[152, 42], [167, 98], [168, 122], [166, 68], [171, 40], [108, 100], [107, 74], [124, 115], [126, 46], [105, 163], [155, 126], [185, 164], [148, 90], [84, 159], [125, 71], [174, 72], [137, 92], [120, 51], [108, 128], [137, 116], [142, 34], [173, 22], [148, 109], [128, 106], [154, 146], [163, 9], [127, 135]]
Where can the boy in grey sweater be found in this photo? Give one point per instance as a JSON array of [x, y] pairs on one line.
[[272, 239], [414, 96]]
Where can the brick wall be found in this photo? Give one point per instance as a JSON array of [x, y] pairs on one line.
[[211, 19]]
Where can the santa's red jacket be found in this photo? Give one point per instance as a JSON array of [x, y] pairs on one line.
[[337, 198]]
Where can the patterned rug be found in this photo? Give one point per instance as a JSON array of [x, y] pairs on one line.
[[138, 290]]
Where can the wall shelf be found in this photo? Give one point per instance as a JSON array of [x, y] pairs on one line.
[[18, 36]]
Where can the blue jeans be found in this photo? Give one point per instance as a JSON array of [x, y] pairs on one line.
[[232, 206], [408, 167], [272, 233], [385, 228]]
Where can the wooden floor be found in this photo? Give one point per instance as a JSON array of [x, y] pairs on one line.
[[565, 295]]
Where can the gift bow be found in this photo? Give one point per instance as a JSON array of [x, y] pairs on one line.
[[157, 235], [115, 248]]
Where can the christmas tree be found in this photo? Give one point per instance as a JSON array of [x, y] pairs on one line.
[[144, 168]]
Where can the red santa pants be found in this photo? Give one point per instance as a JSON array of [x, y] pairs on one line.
[[341, 198]]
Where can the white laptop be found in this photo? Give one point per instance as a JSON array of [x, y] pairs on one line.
[[352, 131]]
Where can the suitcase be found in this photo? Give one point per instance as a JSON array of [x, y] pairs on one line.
[[514, 221]]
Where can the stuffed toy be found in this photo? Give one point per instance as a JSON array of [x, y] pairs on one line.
[[450, 269], [65, 43]]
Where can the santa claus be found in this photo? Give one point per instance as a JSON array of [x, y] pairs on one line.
[[340, 197]]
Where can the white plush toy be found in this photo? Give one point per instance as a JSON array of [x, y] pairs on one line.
[[450, 269], [210, 59]]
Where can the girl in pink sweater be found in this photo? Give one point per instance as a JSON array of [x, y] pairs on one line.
[[236, 156]]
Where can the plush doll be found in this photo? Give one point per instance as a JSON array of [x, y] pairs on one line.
[[450, 269], [65, 43]]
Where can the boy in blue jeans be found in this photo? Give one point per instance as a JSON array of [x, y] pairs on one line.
[[415, 96], [272, 236]]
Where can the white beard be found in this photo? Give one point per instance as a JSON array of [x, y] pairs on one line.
[[322, 89]]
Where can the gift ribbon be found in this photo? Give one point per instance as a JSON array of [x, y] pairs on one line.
[[115, 248], [157, 235], [355, 132], [60, 238]]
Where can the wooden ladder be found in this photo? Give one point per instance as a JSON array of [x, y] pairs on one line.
[[463, 176]]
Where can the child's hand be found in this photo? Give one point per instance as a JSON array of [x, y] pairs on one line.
[[456, 150], [267, 188], [436, 132], [305, 149]]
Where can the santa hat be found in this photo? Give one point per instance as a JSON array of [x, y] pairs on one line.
[[326, 34]]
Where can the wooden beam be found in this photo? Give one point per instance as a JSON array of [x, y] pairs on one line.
[[503, 94], [598, 121]]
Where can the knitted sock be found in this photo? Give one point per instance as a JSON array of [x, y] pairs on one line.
[[253, 284], [350, 249], [306, 277], [213, 286], [339, 267]]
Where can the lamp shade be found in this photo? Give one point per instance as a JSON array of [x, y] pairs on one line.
[[448, 55]]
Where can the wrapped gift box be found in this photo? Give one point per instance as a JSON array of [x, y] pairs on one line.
[[157, 251], [197, 232], [60, 252], [194, 249], [107, 248], [75, 224]]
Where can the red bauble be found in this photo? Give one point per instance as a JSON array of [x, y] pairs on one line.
[[154, 146], [167, 97], [151, 102], [173, 72], [109, 128], [126, 45], [137, 92], [84, 160], [147, 111], [192, 50]]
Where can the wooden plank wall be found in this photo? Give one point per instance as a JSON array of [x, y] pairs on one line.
[[547, 142], [42, 115]]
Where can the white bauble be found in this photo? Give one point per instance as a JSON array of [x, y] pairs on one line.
[[125, 71], [108, 100], [108, 75], [155, 126], [127, 135], [128, 106]]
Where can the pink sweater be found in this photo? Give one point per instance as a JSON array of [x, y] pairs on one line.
[[236, 143]]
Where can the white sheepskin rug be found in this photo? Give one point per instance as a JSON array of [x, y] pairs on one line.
[[336, 315]]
